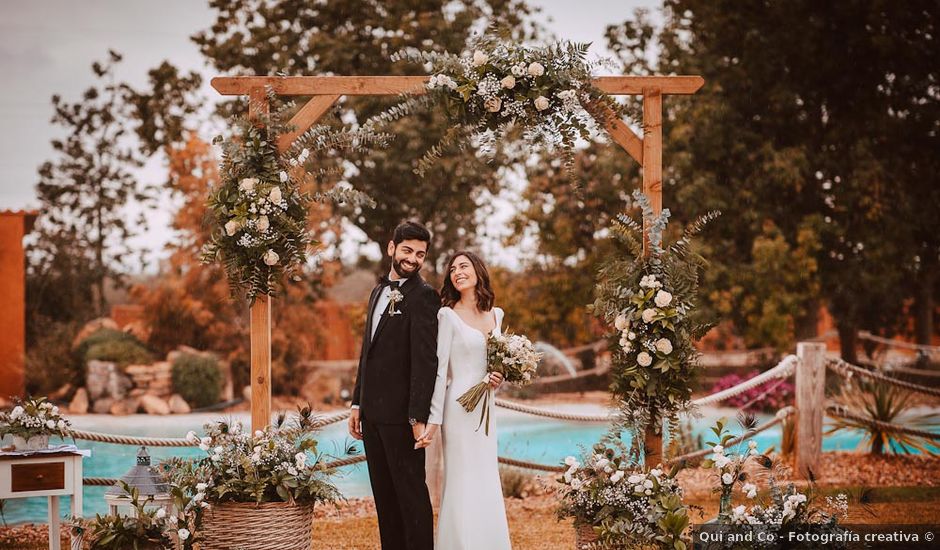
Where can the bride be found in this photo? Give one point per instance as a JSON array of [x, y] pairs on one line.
[[473, 515]]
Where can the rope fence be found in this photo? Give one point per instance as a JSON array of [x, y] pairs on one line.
[[847, 370], [840, 412], [865, 335]]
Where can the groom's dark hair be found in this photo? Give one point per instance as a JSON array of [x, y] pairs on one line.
[[411, 231]]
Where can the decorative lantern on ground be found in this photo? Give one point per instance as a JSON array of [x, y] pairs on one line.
[[148, 482]]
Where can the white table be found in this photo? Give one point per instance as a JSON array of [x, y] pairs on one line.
[[44, 475]]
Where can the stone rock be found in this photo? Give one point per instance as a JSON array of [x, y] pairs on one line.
[[61, 393], [97, 378], [178, 405], [132, 404], [79, 403], [118, 408], [154, 405], [118, 384], [102, 406], [137, 392], [93, 326]]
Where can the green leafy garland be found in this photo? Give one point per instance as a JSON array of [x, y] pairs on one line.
[[259, 208], [650, 302], [501, 87]]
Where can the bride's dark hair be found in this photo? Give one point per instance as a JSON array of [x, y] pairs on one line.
[[485, 296]]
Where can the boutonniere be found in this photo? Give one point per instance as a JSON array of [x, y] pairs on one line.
[[393, 299]]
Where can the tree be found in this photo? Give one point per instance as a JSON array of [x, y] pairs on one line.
[[84, 193], [357, 38]]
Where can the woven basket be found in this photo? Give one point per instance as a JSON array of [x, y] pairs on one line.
[[585, 536], [250, 526]]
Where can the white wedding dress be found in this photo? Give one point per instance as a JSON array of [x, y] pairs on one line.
[[473, 515]]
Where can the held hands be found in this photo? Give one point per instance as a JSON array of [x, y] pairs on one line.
[[425, 436], [496, 379], [355, 426]]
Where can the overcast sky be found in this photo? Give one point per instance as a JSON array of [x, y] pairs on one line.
[[47, 47]]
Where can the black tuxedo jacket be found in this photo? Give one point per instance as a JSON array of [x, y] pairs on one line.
[[398, 366]]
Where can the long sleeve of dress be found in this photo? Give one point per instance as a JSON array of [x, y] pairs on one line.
[[445, 335]]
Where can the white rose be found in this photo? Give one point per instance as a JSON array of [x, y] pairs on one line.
[[664, 346], [480, 58], [301, 459], [639, 488], [161, 513], [750, 490], [247, 184], [192, 437], [204, 443], [262, 223], [271, 257], [275, 195], [648, 315], [576, 484], [493, 104], [183, 534], [622, 322], [718, 450], [655, 472], [601, 464], [626, 345], [232, 227], [644, 359], [536, 69], [721, 461], [663, 298], [631, 335], [617, 476], [648, 484], [541, 103], [518, 69], [201, 487], [50, 424], [16, 412], [60, 425], [55, 410], [568, 476], [283, 176], [509, 82], [727, 479], [634, 479], [571, 461]]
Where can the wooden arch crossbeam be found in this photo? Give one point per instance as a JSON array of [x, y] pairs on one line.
[[324, 91]]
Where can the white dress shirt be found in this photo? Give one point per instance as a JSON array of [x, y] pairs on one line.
[[381, 304]]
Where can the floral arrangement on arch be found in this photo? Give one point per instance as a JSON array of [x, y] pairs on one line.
[[650, 303], [260, 205], [624, 504], [33, 419], [500, 85]]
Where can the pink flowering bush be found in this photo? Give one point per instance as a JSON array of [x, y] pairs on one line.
[[779, 393]]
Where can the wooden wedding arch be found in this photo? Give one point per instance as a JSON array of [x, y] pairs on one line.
[[324, 91]]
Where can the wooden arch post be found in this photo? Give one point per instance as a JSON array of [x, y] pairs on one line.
[[326, 90]]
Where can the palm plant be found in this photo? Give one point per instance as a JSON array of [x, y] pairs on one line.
[[877, 402]]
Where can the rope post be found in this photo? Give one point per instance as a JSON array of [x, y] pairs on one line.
[[810, 405]]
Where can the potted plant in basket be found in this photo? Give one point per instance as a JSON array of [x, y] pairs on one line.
[[32, 422], [252, 485]]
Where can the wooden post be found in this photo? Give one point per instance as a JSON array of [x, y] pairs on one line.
[[260, 318], [653, 189], [810, 403]]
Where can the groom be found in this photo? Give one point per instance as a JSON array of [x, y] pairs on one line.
[[392, 399]]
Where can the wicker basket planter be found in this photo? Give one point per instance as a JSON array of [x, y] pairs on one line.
[[250, 526]]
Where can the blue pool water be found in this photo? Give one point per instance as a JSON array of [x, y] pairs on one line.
[[520, 436]]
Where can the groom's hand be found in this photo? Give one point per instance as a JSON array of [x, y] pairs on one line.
[[355, 426], [427, 437], [417, 430]]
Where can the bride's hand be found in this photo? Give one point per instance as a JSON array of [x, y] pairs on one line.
[[427, 437], [495, 379]]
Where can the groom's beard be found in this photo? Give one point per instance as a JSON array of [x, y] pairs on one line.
[[403, 271]]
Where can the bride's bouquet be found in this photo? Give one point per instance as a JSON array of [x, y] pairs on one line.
[[511, 355]]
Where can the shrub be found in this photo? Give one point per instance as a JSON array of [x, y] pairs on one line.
[[515, 482], [768, 397], [49, 359], [115, 346], [198, 379]]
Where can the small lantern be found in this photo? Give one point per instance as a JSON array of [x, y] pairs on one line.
[[148, 482]]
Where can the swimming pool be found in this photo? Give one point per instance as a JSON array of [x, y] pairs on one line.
[[521, 436]]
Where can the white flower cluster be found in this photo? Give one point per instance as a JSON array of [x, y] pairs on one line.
[[605, 482], [261, 202], [792, 507], [34, 417], [442, 81], [647, 315], [514, 356]]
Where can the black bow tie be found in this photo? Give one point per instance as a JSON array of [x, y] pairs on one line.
[[388, 282]]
